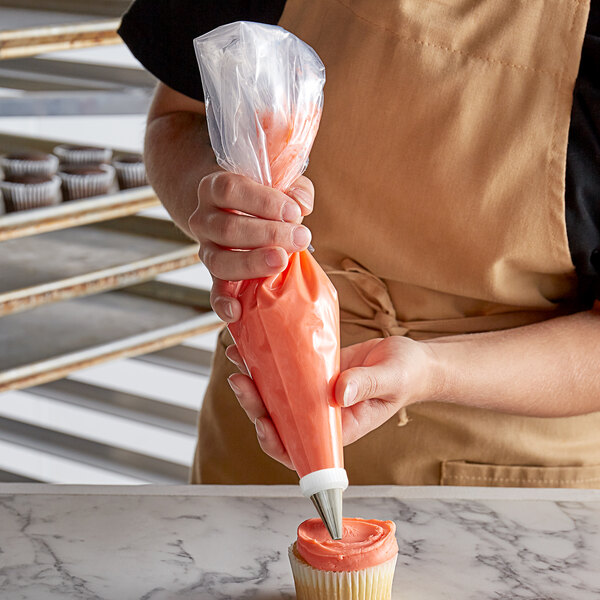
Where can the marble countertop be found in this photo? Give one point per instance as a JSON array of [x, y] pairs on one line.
[[219, 542]]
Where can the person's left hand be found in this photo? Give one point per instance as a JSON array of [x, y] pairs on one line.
[[377, 379]]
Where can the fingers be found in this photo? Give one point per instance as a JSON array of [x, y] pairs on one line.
[[364, 417], [243, 232], [233, 354], [229, 191], [379, 378], [249, 398], [270, 442], [303, 192], [223, 302], [238, 265], [368, 388], [362, 383], [246, 230], [378, 368]]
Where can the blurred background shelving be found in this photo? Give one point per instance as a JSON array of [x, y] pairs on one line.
[[129, 420]]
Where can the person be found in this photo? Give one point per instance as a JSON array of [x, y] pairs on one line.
[[452, 197]]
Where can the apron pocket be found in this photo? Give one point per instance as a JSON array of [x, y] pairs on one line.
[[458, 472]]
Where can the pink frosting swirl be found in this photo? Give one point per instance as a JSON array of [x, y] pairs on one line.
[[365, 543]]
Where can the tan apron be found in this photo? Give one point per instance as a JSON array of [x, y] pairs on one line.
[[439, 169]]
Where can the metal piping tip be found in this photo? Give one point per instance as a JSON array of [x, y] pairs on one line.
[[329, 506]]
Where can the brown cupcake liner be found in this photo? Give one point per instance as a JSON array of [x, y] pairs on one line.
[[76, 187], [130, 175], [24, 196], [82, 156], [16, 167]]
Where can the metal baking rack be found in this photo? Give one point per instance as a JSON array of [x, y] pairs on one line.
[[61, 268], [68, 214], [59, 85], [27, 30], [74, 278], [85, 260], [51, 341]]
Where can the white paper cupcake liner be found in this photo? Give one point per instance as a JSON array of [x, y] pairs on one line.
[[374, 583], [76, 186], [23, 196], [16, 167], [81, 156], [130, 175]]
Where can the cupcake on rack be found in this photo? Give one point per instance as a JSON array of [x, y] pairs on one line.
[[131, 172], [29, 163], [23, 192], [360, 566], [71, 155], [84, 181]]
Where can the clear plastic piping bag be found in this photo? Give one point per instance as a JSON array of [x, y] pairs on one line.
[[264, 96]]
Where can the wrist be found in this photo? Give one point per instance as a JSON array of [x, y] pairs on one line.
[[421, 370], [439, 371]]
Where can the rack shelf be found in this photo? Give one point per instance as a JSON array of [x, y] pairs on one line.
[[28, 32], [51, 341], [80, 261]]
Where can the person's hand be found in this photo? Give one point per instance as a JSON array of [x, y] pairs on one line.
[[377, 379], [246, 230]]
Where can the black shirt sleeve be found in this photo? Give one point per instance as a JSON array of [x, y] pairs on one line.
[[160, 33], [582, 193]]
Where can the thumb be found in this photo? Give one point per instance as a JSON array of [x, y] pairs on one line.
[[303, 192], [223, 301], [361, 383]]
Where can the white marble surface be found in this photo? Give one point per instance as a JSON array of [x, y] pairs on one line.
[[206, 542]]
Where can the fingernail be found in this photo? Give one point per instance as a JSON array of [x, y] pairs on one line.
[[260, 429], [302, 196], [301, 237], [235, 388], [273, 259], [350, 393], [227, 309], [291, 212]]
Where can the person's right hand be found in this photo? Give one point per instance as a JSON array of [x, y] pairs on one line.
[[246, 231], [378, 377]]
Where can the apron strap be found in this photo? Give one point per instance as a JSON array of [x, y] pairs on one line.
[[373, 293]]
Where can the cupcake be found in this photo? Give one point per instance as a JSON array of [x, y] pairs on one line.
[[82, 155], [84, 181], [29, 163], [131, 172], [30, 191], [359, 566]]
